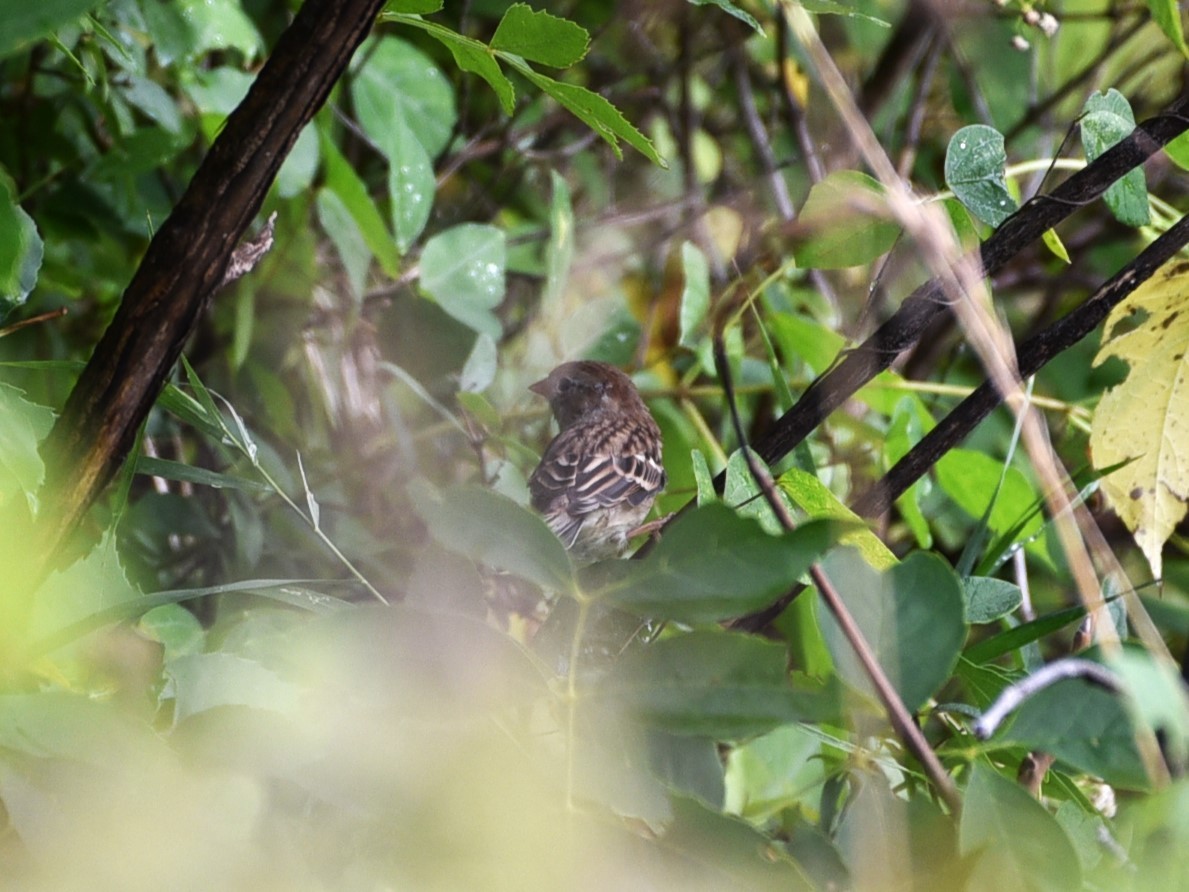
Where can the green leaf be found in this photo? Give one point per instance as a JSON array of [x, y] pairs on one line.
[[473, 56], [220, 25], [695, 296], [1106, 119], [559, 253], [1178, 151], [413, 7], [975, 162], [342, 179], [815, 499], [1018, 844], [21, 250], [1167, 14], [411, 185], [338, 224], [394, 81], [1014, 639], [198, 682], [300, 165], [23, 425], [988, 599], [731, 9], [716, 684], [1084, 725], [23, 23], [494, 530], [462, 269], [479, 370], [175, 627], [1156, 700], [710, 565], [843, 223], [972, 479], [93, 583], [540, 37], [910, 615], [593, 110], [175, 470], [703, 479], [782, 769], [743, 493]]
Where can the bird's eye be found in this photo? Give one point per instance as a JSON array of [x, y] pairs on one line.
[[564, 385]]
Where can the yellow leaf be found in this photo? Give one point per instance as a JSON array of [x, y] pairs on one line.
[[1145, 420]]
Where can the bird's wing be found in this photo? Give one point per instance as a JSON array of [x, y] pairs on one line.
[[581, 473]]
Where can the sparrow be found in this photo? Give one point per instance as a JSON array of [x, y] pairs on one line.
[[600, 475]]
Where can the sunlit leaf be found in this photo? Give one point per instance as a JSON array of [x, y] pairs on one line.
[[539, 36], [1143, 421]]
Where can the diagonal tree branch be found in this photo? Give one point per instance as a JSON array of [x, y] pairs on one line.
[[187, 259], [902, 330], [1033, 355]]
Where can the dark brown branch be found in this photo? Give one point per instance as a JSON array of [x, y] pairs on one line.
[[1032, 356], [925, 304], [188, 257]]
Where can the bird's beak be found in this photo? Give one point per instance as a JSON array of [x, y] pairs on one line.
[[541, 387]]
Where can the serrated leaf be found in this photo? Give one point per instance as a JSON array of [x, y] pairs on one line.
[[23, 23], [1018, 844], [843, 223], [495, 531], [21, 251], [473, 56], [731, 9], [1144, 421], [593, 110], [975, 164], [912, 618], [540, 37], [710, 565], [1106, 119], [695, 295], [462, 269]]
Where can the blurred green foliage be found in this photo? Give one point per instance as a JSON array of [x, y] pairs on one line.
[[208, 690]]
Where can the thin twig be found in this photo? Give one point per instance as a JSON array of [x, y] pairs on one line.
[[1014, 696], [898, 714]]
